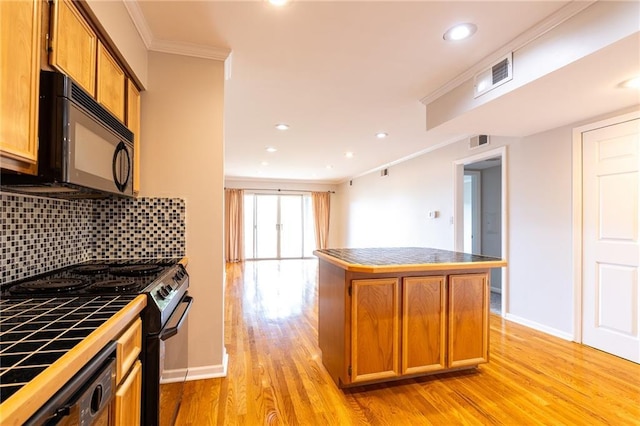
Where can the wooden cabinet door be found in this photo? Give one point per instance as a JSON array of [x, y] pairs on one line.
[[20, 66], [128, 398], [111, 83], [424, 308], [73, 45], [468, 332], [374, 329], [133, 123]]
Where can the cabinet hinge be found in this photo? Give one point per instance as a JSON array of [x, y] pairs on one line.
[[349, 291], [349, 368], [47, 43]]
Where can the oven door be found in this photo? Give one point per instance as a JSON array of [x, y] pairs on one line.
[[173, 362]]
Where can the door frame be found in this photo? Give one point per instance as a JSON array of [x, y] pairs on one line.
[[576, 201], [458, 210], [476, 213]]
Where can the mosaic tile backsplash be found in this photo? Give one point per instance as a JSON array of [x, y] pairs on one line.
[[39, 234]]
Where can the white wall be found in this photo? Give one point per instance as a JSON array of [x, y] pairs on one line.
[[392, 211], [397, 205], [182, 155]]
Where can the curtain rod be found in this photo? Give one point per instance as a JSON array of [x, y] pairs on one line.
[[281, 190]]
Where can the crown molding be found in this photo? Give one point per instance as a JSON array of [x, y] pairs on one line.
[[166, 46], [190, 49], [544, 26], [133, 8]]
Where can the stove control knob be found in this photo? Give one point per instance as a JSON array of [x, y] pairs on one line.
[[168, 287], [163, 293]]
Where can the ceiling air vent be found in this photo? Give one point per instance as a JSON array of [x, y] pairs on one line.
[[478, 141], [492, 77]]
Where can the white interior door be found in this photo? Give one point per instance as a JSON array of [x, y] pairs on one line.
[[611, 250]]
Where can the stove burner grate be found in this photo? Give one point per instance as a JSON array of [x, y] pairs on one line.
[[52, 285], [91, 269], [135, 270], [117, 285]]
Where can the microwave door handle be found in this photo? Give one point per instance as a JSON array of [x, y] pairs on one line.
[[117, 166]]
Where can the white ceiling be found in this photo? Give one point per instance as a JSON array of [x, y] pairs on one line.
[[338, 72]]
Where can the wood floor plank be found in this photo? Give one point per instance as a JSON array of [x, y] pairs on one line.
[[275, 373]]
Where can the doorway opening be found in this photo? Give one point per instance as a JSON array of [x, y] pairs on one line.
[[278, 226], [480, 214]]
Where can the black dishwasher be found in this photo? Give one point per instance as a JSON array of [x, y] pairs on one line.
[[87, 398]]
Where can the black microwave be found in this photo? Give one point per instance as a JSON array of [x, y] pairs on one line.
[[83, 150]]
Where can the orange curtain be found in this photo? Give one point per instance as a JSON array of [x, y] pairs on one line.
[[321, 202], [234, 226]]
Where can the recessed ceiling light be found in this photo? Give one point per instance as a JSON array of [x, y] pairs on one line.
[[282, 126], [278, 2], [460, 32], [264, 163], [271, 149], [381, 135], [348, 154], [632, 83]]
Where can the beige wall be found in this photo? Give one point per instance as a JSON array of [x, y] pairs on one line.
[[182, 156]]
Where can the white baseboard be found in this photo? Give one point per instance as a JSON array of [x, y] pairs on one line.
[[173, 376], [197, 373], [210, 371], [540, 327]]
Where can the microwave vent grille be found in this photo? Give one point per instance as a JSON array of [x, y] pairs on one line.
[[86, 101]]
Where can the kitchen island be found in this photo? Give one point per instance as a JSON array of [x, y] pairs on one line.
[[392, 313]]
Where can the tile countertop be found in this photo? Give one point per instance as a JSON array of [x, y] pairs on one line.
[[44, 342], [405, 259]]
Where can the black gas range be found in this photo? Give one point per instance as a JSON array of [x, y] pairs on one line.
[[164, 281]]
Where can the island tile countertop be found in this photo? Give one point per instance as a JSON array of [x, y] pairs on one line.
[[44, 342], [405, 259]]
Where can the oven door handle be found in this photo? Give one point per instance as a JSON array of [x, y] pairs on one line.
[[172, 331]]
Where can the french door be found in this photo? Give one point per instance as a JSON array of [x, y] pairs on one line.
[[278, 226]]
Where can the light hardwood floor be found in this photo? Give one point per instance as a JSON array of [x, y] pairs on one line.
[[276, 376]]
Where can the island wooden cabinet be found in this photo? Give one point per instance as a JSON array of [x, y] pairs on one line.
[[424, 302], [74, 45], [426, 324], [20, 63], [468, 325], [391, 313], [374, 329]]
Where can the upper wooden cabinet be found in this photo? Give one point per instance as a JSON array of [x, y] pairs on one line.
[[73, 45], [111, 83], [20, 63], [133, 123]]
